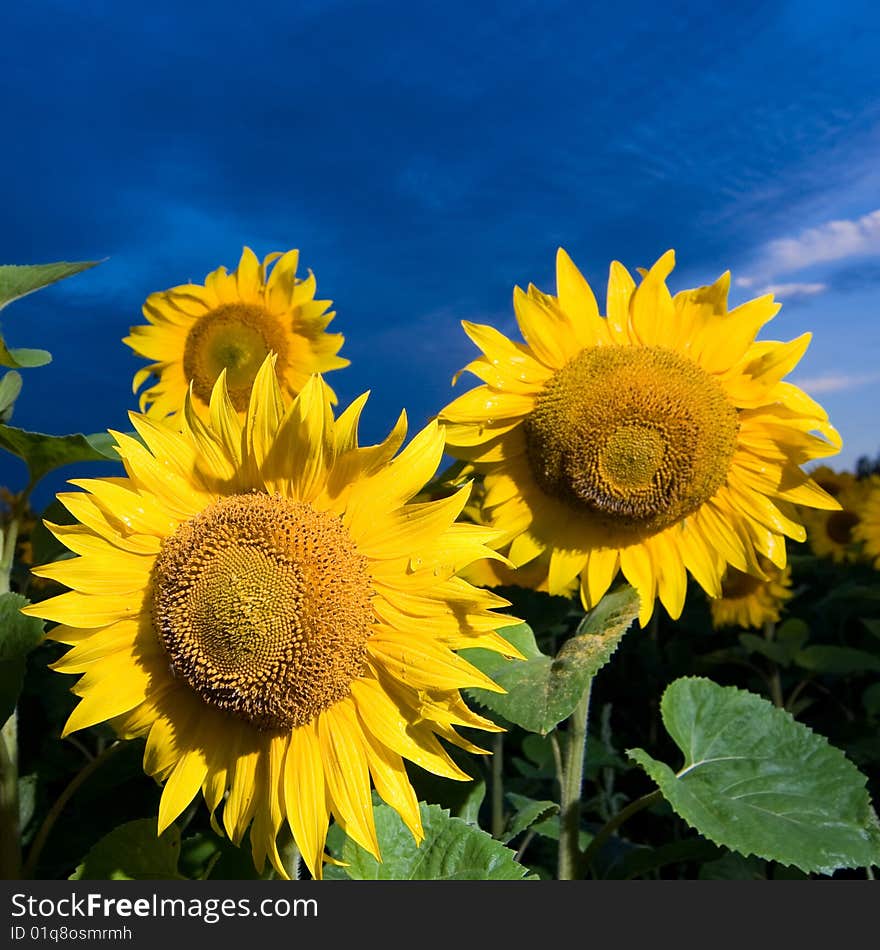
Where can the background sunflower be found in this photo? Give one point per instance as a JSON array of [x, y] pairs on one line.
[[658, 439], [232, 322]]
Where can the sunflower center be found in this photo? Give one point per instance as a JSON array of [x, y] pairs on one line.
[[637, 437], [236, 337], [263, 605], [839, 526]]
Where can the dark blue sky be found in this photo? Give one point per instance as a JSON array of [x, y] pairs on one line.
[[427, 158]]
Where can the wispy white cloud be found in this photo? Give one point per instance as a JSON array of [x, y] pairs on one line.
[[787, 291], [832, 241], [835, 382]]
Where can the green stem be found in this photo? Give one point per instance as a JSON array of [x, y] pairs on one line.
[[610, 826], [774, 680], [56, 809], [571, 782], [10, 842], [10, 539], [498, 785], [290, 858]]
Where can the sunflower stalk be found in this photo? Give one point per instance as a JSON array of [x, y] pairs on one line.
[[10, 846], [571, 783], [774, 681]]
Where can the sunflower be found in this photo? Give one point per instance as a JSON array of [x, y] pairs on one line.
[[262, 602], [657, 440], [830, 533], [749, 601], [867, 531], [232, 322]]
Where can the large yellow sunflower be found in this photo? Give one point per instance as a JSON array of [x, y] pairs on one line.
[[867, 531], [656, 440], [262, 602], [749, 601], [830, 533], [232, 322]]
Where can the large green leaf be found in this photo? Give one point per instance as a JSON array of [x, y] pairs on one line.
[[43, 453], [542, 691], [17, 280], [758, 782], [452, 850], [133, 852]]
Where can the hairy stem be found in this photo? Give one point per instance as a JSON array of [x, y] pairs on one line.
[[571, 782], [774, 681], [10, 847], [498, 785]]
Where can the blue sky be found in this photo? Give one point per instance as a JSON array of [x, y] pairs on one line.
[[427, 158]]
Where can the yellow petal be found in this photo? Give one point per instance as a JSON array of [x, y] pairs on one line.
[[182, 786], [347, 773], [305, 797], [577, 300]]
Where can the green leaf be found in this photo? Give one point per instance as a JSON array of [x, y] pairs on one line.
[[19, 634], [10, 387], [22, 358], [756, 781], [43, 453], [528, 813], [832, 659], [18, 280], [873, 625], [11, 684], [644, 861], [734, 867], [452, 850], [542, 691], [133, 852], [774, 651]]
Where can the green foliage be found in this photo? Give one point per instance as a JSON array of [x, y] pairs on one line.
[[19, 635], [527, 814], [542, 691], [452, 850], [18, 280], [758, 782], [133, 852], [43, 453], [10, 387]]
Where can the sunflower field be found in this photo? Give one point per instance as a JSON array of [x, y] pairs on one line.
[[612, 613]]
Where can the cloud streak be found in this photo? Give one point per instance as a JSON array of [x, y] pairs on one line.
[[836, 240], [835, 382], [788, 291]]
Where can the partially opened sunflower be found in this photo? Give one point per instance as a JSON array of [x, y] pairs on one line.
[[261, 601], [830, 533], [232, 322], [749, 601], [656, 440], [867, 531]]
